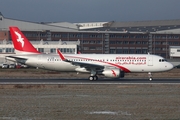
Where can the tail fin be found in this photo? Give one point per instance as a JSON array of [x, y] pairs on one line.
[[21, 43]]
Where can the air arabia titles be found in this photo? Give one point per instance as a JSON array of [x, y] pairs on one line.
[[131, 60]]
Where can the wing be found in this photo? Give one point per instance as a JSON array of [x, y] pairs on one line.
[[86, 65], [18, 59]]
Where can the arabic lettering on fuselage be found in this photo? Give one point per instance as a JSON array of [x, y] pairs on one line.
[[131, 60]]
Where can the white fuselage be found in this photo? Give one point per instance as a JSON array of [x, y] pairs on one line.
[[109, 65], [125, 62]]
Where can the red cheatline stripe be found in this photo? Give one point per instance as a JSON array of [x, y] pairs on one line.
[[112, 64]]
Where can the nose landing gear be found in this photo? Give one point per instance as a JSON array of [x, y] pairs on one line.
[[150, 76]]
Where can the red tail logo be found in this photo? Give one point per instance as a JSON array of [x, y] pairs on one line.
[[20, 39], [21, 43]]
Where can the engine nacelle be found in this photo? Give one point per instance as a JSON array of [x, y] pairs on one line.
[[81, 70], [113, 73]]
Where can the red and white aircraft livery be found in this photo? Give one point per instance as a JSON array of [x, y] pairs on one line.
[[109, 65]]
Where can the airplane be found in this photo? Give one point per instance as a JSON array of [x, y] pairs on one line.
[[109, 65]]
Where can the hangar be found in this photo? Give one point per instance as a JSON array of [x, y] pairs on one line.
[[136, 37]]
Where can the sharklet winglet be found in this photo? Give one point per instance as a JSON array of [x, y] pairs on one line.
[[61, 55]]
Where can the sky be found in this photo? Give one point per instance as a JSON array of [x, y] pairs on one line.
[[76, 11]]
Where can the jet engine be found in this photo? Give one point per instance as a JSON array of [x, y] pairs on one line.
[[113, 73]]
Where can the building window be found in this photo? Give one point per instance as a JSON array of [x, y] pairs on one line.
[[144, 51], [125, 36], [92, 42], [86, 48], [138, 51], [64, 36], [75, 35], [85, 42], [53, 50], [92, 48], [176, 37], [72, 50], [112, 36], [118, 51], [132, 51], [119, 42], [125, 51], [99, 42], [64, 50], [158, 43], [112, 42], [132, 42], [113, 51], [98, 48], [126, 42], [157, 48], [176, 43], [138, 42], [8, 50], [56, 35], [164, 43], [144, 43], [41, 49], [67, 50]]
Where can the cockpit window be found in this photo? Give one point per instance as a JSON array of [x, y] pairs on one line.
[[162, 60]]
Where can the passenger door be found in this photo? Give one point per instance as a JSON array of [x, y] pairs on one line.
[[40, 61], [150, 60]]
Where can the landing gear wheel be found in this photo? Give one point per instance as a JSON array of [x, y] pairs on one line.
[[93, 78]]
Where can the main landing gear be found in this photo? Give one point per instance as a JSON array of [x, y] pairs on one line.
[[150, 76], [91, 78]]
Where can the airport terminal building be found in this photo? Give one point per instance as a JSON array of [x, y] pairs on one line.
[[160, 37]]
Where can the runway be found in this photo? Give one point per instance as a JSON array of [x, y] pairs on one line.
[[86, 81], [119, 99]]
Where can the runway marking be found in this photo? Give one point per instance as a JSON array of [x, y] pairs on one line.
[[109, 112], [71, 83]]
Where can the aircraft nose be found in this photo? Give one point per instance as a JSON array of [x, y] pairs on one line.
[[169, 66]]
